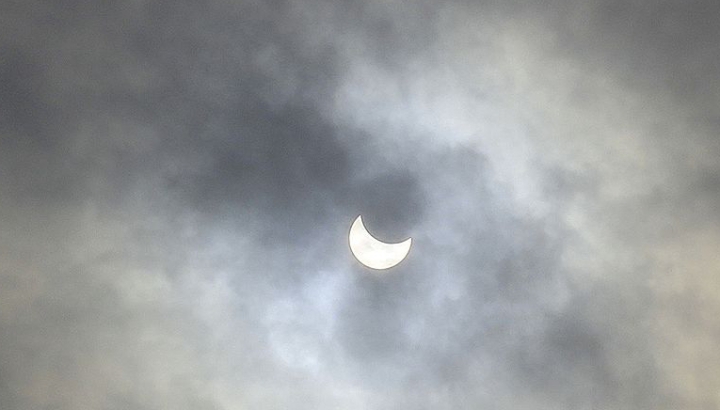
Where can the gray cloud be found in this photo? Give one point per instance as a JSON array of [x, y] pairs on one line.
[[177, 180]]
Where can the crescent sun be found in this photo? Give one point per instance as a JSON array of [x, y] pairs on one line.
[[372, 252]]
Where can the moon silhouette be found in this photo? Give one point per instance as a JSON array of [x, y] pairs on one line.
[[372, 252]]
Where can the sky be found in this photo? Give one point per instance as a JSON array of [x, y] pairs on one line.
[[177, 181]]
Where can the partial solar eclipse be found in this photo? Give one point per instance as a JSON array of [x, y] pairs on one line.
[[373, 253]]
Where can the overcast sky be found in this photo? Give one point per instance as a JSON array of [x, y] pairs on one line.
[[177, 180]]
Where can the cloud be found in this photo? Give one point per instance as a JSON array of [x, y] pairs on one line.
[[177, 180]]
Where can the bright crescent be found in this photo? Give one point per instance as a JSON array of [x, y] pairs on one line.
[[373, 253]]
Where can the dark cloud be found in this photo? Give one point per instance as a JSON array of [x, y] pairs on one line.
[[177, 180]]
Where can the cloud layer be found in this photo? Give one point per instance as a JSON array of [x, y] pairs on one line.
[[177, 180]]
